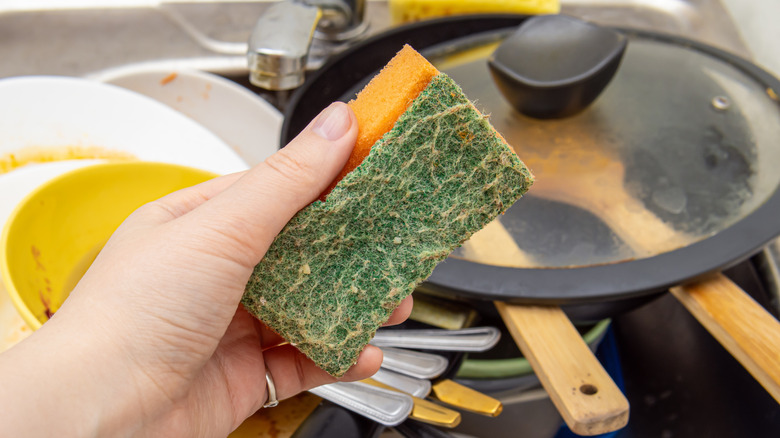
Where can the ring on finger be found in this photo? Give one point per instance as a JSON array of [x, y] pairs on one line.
[[271, 390]]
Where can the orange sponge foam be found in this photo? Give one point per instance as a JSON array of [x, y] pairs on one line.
[[383, 100]]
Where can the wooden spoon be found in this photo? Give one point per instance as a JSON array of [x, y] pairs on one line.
[[593, 179], [594, 182], [739, 323], [584, 394], [586, 397]]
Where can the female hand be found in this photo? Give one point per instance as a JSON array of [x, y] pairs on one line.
[[153, 340]]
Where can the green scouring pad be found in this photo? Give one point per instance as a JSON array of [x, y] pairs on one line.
[[340, 267]]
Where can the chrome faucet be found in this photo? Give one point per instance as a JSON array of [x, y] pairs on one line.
[[281, 41]]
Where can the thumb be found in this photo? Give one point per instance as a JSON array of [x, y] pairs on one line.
[[252, 211]]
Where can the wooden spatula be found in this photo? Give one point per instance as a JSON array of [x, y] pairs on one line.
[[741, 325], [586, 397]]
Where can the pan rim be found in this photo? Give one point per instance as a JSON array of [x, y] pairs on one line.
[[630, 278]]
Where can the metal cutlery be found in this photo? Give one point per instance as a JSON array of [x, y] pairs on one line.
[[476, 339], [414, 363], [410, 385], [384, 406]]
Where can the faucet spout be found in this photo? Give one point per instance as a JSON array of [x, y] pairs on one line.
[[281, 40], [279, 45]]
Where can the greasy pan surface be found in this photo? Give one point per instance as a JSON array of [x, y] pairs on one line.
[[605, 284]]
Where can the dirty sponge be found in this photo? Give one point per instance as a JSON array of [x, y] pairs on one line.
[[340, 267]]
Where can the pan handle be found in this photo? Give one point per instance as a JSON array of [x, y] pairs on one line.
[[739, 323], [584, 394]]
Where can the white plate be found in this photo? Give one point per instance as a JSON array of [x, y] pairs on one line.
[[242, 119], [46, 111], [57, 113]]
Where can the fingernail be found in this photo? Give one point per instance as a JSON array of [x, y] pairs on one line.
[[333, 122]]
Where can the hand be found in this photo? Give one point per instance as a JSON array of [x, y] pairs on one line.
[[153, 340]]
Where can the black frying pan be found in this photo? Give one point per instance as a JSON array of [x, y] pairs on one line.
[[605, 285], [611, 282]]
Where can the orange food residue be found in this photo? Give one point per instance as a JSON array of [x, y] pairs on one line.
[[168, 79], [14, 160]]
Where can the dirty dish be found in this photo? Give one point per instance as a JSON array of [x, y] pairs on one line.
[[50, 118], [50, 125], [243, 120], [55, 233]]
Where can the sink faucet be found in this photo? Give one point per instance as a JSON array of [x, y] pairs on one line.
[[281, 40]]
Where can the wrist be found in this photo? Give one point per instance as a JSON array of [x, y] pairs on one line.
[[64, 380]]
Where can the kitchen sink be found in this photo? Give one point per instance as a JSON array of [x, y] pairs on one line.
[[211, 36]]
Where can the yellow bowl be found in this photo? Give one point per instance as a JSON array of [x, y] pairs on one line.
[[55, 233]]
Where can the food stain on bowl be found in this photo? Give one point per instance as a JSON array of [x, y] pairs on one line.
[[75, 123], [45, 296], [42, 154], [168, 79], [52, 299], [55, 233]]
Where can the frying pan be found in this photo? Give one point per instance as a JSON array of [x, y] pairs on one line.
[[691, 272]]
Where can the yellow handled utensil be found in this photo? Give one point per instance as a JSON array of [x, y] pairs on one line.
[[460, 396], [426, 411]]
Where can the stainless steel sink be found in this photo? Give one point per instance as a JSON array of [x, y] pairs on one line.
[[212, 35]]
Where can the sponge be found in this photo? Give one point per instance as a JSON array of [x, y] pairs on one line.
[[383, 100], [340, 267]]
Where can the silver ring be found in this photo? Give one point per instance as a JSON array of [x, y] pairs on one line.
[[271, 389]]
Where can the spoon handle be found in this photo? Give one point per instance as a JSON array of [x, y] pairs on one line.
[[386, 407], [741, 325], [474, 339], [584, 394], [414, 363]]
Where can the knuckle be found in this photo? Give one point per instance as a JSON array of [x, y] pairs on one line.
[[290, 167], [303, 371], [300, 372], [157, 211]]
